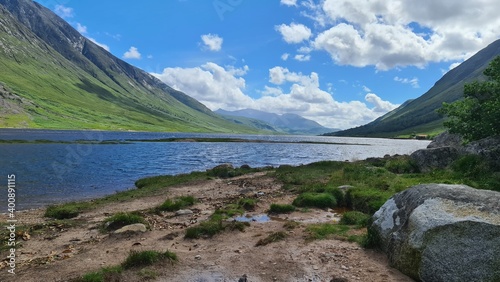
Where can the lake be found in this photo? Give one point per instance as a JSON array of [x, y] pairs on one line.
[[48, 173]]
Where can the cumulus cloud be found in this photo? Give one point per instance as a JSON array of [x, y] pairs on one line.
[[291, 92], [285, 56], [289, 2], [81, 28], [212, 42], [132, 53], [64, 12], [294, 33], [412, 81], [399, 33], [213, 85], [302, 57]]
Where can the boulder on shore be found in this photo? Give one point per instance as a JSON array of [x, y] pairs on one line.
[[438, 232], [429, 159]]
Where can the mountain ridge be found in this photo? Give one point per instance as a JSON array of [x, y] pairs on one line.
[[285, 123], [70, 82], [419, 115]]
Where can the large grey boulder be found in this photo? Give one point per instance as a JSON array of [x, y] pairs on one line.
[[438, 232], [446, 139], [429, 159], [488, 148]]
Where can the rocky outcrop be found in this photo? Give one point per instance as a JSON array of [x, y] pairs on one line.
[[447, 148], [438, 232], [429, 159]]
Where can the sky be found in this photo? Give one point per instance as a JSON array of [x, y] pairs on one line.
[[342, 63]]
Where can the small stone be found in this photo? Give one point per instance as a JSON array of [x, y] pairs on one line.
[[344, 267], [137, 227], [198, 257], [183, 212], [315, 267]]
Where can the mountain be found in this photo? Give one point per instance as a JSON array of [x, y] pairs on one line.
[[419, 115], [286, 123], [53, 77]]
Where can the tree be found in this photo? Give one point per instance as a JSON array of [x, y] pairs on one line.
[[477, 116]]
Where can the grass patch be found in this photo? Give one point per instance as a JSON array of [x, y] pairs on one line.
[[290, 225], [355, 218], [281, 208], [147, 258], [105, 274], [248, 204], [326, 230], [367, 200], [210, 228], [64, 211], [177, 203], [316, 200], [121, 219], [274, 237]]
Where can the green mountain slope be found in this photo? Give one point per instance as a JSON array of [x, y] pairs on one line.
[[52, 77], [419, 115]]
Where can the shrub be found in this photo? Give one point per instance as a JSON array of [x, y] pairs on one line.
[[122, 219], [471, 166], [401, 164], [62, 212], [318, 200], [145, 258], [281, 208], [354, 218]]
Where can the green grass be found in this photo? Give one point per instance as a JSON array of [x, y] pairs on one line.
[[121, 219], [212, 227], [354, 218], [64, 211], [281, 208], [316, 200], [326, 230], [147, 258], [248, 204], [105, 274], [177, 203]]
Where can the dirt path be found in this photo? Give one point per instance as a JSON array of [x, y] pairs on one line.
[[60, 254]]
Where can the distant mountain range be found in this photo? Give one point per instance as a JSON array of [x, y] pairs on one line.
[[419, 115], [53, 77], [285, 123]]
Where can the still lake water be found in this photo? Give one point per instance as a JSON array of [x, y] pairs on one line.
[[52, 173]]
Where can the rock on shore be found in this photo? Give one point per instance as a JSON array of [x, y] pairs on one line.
[[438, 232]]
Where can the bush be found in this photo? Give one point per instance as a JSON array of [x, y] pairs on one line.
[[281, 208], [318, 200], [355, 218], [471, 166], [177, 203], [122, 219], [145, 258], [62, 212], [401, 164]]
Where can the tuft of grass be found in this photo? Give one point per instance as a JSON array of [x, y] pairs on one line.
[[326, 230], [281, 208], [367, 200], [248, 204], [121, 219], [64, 211], [274, 237], [105, 274], [148, 274], [289, 225], [212, 227], [147, 258], [355, 218], [177, 203], [317, 200], [401, 164]]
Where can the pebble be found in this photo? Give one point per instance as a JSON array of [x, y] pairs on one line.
[[198, 257], [344, 267], [315, 267]]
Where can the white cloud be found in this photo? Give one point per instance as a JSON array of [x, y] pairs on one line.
[[412, 81], [104, 46], [81, 28], [285, 56], [211, 84], [302, 57], [399, 33], [63, 11], [212, 41], [366, 89], [132, 53], [294, 33], [289, 2], [224, 87]]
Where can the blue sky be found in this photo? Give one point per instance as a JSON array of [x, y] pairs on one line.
[[342, 63]]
